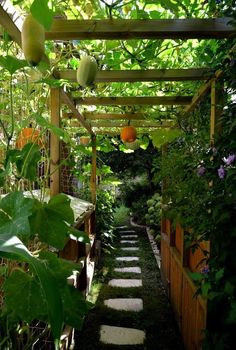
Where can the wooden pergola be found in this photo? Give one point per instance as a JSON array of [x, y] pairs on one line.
[[65, 30]]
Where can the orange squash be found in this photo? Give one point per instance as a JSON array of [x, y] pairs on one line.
[[27, 135], [128, 134]]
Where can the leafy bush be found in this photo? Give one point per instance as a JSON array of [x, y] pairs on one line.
[[105, 217], [121, 215]]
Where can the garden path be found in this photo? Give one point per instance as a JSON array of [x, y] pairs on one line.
[[132, 310]]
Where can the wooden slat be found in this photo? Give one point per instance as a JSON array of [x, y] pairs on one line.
[[11, 21], [115, 116], [194, 28], [93, 178], [109, 116], [69, 102], [122, 101], [141, 124], [106, 76], [150, 125]]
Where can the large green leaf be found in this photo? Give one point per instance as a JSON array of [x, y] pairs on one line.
[[162, 136], [13, 248], [15, 210], [12, 64], [51, 221], [42, 13], [75, 307], [24, 297]]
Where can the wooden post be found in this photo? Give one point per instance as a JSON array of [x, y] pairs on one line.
[[54, 142], [94, 168], [213, 112]]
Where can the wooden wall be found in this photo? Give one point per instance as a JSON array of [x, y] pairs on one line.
[[176, 263]]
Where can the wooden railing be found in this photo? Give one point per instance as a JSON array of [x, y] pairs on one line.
[[176, 264]]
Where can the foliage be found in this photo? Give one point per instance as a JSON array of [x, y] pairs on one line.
[[200, 194], [153, 215], [105, 217], [121, 215]]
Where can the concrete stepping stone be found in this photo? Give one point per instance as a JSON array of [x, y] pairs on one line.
[[121, 335], [127, 241], [121, 227], [129, 236], [128, 231], [125, 283], [127, 258], [130, 248], [128, 269], [126, 304]]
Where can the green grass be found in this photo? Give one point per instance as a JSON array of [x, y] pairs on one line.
[[156, 319]]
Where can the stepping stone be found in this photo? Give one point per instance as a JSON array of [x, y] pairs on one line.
[[121, 227], [135, 305], [128, 269], [128, 231], [127, 241], [121, 335], [127, 258], [125, 283], [130, 248], [129, 236]]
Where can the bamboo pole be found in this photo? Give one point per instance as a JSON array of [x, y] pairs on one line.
[[94, 170], [54, 142]]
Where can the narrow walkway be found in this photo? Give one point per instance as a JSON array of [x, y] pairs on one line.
[[131, 310]]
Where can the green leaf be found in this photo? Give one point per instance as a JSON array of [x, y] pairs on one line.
[[205, 289], [162, 136], [80, 235], [51, 221], [60, 206], [42, 13], [219, 274], [12, 64], [75, 307], [196, 276], [15, 210], [24, 287], [13, 248]]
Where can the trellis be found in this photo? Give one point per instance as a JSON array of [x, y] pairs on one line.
[[62, 29]]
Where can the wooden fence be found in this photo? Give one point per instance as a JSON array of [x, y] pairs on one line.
[[176, 264]]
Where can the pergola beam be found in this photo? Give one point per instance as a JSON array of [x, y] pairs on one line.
[[129, 101], [109, 116], [123, 29], [136, 124], [109, 76], [11, 21], [70, 103]]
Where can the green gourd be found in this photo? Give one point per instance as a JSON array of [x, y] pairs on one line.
[[86, 71], [32, 38]]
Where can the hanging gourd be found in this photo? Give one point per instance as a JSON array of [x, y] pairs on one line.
[[133, 145], [32, 37], [86, 71], [128, 134], [27, 135]]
